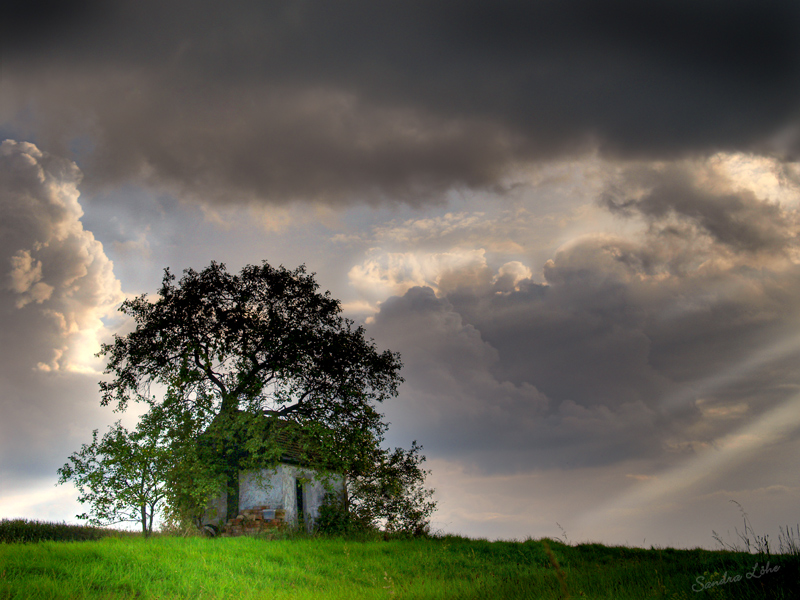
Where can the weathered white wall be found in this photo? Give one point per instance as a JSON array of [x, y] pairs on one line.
[[276, 488], [261, 488]]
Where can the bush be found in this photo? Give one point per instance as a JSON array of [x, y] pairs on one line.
[[335, 518]]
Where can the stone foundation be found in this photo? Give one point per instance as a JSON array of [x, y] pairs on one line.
[[252, 522]]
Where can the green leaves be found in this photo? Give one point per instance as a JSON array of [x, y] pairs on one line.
[[391, 491], [387, 491], [120, 477], [263, 339], [252, 366]]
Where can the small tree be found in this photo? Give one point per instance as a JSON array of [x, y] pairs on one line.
[[120, 476], [392, 492], [190, 477], [388, 491]]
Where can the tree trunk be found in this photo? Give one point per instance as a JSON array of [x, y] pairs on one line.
[[228, 428], [232, 508], [144, 519]]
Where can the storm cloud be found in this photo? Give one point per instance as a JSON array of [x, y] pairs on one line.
[[391, 101], [651, 345], [677, 197]]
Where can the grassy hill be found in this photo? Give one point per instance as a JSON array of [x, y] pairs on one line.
[[128, 566]]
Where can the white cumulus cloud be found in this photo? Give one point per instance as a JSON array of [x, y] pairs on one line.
[[56, 271], [386, 274], [56, 287]]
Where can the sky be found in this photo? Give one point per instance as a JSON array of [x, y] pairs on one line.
[[576, 221]]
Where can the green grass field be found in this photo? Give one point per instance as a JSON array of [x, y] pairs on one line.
[[328, 568]]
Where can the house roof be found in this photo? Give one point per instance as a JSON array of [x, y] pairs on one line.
[[292, 449], [296, 445], [292, 439]]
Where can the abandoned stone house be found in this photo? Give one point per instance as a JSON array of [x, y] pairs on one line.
[[289, 493]]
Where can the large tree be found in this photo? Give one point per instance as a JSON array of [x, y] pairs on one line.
[[216, 352]]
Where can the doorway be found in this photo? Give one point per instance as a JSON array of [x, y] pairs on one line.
[[300, 505]]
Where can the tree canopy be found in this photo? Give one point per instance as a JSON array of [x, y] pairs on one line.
[[265, 339], [216, 352]]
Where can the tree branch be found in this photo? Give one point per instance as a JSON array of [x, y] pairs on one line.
[[210, 374], [297, 405]]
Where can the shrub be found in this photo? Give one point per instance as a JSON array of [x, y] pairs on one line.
[[335, 518], [23, 530]]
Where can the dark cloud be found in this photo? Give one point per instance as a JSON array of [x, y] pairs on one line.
[[735, 218], [643, 348], [33, 23], [615, 324], [460, 401], [362, 100]]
